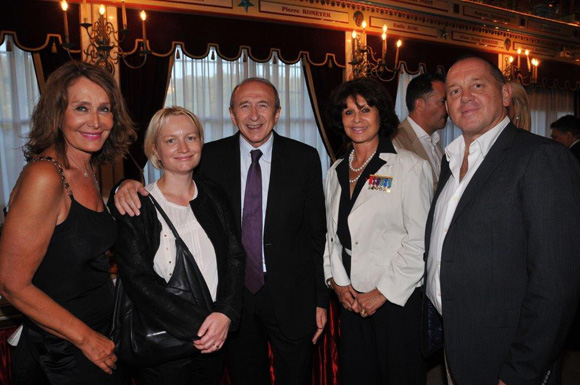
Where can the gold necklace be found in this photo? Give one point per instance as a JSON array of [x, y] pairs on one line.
[[86, 173]]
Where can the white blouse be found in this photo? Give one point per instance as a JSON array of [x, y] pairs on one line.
[[193, 235]]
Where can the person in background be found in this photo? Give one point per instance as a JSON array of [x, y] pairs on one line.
[[418, 133], [274, 185], [566, 131], [377, 200], [53, 266], [518, 108], [146, 252]]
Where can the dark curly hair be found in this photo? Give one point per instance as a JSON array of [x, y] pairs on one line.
[[376, 96], [48, 114]]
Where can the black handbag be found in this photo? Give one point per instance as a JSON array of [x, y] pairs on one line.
[[139, 341]]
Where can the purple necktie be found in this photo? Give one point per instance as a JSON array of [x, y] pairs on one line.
[[252, 225]]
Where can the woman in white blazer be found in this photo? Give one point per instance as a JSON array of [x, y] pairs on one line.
[[377, 201]]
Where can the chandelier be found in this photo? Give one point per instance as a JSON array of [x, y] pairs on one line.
[[364, 63], [526, 75], [103, 48]]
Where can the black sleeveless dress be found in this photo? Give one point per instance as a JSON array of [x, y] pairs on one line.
[[75, 274]]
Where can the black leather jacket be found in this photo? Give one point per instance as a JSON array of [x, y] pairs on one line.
[[136, 246]]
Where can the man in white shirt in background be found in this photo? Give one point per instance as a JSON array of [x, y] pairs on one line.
[[425, 101], [502, 240]]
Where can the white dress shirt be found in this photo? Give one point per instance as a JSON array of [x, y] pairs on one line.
[[190, 230], [449, 199], [429, 143], [265, 166]]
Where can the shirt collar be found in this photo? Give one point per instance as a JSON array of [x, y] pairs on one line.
[[266, 148], [422, 134], [576, 141], [483, 143]]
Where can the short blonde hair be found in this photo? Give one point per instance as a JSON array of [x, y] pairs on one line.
[[157, 123], [519, 101]]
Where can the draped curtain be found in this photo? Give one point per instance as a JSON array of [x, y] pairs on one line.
[[18, 95], [144, 91], [547, 105]]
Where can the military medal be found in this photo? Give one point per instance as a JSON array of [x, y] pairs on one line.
[[381, 183]]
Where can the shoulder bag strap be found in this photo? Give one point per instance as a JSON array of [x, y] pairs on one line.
[[165, 217], [206, 296]]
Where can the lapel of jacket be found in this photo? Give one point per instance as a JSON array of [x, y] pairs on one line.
[[278, 177], [445, 173], [336, 192], [366, 194], [231, 172], [489, 164], [414, 139]]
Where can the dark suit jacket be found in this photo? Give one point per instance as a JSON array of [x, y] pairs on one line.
[[510, 269], [294, 229], [137, 243], [576, 150]]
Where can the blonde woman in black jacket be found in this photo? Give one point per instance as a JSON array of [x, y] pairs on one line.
[[146, 251]]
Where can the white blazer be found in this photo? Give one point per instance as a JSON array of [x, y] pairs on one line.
[[387, 229]]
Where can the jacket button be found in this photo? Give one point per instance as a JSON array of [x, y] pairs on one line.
[[356, 243], [331, 240]]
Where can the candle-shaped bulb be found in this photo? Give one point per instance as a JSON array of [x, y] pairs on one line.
[[354, 35], [511, 59], [102, 10], [64, 5], [384, 28], [364, 24], [519, 51], [143, 16], [384, 36], [399, 44], [527, 52], [124, 14]]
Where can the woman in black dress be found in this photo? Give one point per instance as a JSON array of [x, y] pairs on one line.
[[53, 265]]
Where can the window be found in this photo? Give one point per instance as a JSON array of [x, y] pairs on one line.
[[18, 95]]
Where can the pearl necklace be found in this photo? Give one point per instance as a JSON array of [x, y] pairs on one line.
[[359, 169]]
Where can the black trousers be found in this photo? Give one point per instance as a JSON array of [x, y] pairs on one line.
[[383, 349], [248, 362], [199, 369], [42, 358]]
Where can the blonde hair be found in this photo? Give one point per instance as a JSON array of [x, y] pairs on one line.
[[522, 117], [157, 123]]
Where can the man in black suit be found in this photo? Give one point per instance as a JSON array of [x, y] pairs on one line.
[[292, 304], [286, 305], [502, 239], [566, 130]]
